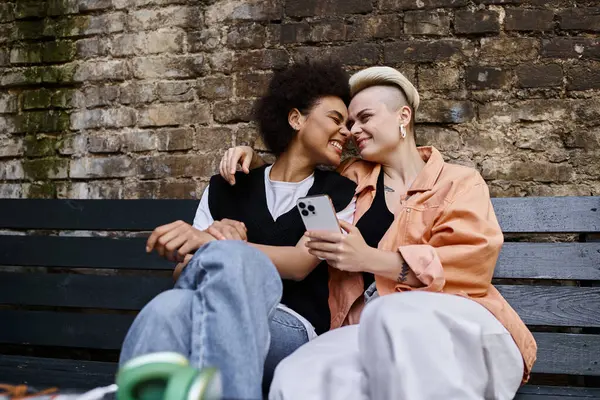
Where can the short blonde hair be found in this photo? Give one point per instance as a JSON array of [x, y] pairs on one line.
[[385, 76]]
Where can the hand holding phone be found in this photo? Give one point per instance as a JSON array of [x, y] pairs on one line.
[[318, 214]]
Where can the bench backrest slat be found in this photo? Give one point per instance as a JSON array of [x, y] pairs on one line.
[[516, 215], [557, 352], [537, 305], [579, 261], [74, 252], [548, 214], [567, 353], [46, 328], [555, 305], [49, 372], [82, 291], [569, 261], [119, 215]]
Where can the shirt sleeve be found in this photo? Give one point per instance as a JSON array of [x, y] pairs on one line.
[[461, 254], [203, 218], [347, 214]]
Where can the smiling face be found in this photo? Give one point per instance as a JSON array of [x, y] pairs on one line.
[[322, 131], [376, 115]]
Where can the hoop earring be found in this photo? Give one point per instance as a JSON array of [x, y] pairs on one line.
[[403, 131]]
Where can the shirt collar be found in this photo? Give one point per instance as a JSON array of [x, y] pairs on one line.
[[425, 179], [430, 172]]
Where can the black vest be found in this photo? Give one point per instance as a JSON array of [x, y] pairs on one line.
[[375, 223], [246, 202]]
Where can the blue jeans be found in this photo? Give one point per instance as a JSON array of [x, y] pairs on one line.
[[222, 313]]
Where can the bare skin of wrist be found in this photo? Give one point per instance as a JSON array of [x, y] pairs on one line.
[[391, 265], [256, 161]]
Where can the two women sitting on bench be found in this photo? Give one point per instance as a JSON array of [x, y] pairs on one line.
[[420, 244]]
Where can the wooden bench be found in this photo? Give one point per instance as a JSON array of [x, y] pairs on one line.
[[66, 301]]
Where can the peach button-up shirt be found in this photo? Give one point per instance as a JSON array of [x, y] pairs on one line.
[[446, 230]]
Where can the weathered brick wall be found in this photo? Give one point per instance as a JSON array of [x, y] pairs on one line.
[[136, 98]]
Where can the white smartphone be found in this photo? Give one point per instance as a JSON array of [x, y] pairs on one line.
[[318, 214]]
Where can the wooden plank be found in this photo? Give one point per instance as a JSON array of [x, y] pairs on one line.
[[516, 215], [548, 214], [48, 372], [558, 353], [45, 328], [555, 305], [530, 392], [125, 215], [567, 353], [576, 261], [537, 305], [87, 291], [73, 252], [75, 374]]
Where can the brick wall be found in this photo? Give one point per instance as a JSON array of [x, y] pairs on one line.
[[137, 98]]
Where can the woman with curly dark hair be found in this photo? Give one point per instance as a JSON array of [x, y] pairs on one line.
[[243, 307]]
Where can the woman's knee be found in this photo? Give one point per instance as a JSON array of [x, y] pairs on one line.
[[231, 249], [234, 260], [390, 306], [168, 304], [394, 317]]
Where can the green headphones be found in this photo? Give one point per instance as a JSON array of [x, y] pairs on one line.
[[166, 376]]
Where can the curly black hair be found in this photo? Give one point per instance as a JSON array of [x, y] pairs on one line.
[[298, 86]]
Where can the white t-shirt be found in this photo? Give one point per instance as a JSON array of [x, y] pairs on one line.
[[281, 197]]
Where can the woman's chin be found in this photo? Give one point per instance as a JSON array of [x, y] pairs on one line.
[[367, 154], [333, 158]]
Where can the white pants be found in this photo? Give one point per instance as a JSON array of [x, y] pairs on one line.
[[413, 346]]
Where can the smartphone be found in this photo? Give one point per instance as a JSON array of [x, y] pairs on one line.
[[318, 214]]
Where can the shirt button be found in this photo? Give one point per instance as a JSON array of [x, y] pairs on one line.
[[408, 210]]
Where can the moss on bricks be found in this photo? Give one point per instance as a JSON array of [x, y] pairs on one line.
[[63, 98], [41, 98], [26, 54], [39, 146], [31, 76], [6, 12], [59, 51], [62, 7], [44, 168], [44, 107], [66, 26], [30, 9], [62, 74], [28, 30], [59, 74], [43, 121], [43, 190]]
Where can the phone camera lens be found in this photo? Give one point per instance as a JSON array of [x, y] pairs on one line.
[[302, 205], [305, 213], [311, 208]]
